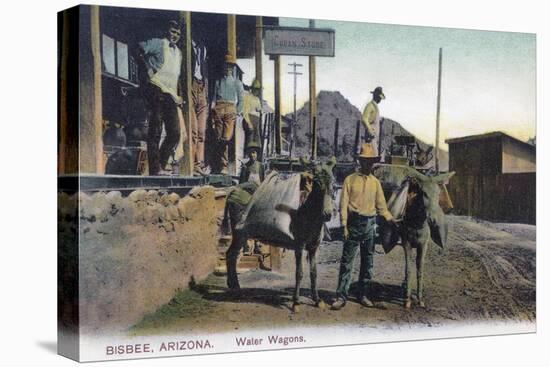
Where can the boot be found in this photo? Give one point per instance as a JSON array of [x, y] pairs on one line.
[[338, 304], [364, 301]]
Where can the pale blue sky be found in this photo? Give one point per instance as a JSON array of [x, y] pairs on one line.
[[488, 83]]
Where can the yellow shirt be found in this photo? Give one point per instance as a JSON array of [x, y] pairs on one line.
[[371, 117], [362, 194], [371, 121]]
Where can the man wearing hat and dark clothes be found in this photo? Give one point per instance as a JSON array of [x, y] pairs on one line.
[[252, 106], [199, 91], [235, 205], [227, 103], [252, 175], [362, 199], [252, 170], [371, 119], [162, 59]]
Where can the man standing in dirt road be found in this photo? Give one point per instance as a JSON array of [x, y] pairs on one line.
[[371, 119], [361, 200]]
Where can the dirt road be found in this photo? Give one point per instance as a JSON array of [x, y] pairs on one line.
[[487, 272]]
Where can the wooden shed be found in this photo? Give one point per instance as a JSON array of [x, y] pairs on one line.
[[495, 177], [491, 153]]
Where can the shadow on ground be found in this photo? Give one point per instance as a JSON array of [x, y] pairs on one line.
[[49, 346], [269, 297], [377, 292], [211, 297]]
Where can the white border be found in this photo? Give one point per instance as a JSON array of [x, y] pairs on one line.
[[29, 182]]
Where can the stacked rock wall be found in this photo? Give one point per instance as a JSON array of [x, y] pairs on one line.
[[136, 251]]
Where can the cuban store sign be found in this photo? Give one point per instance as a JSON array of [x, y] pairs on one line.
[[299, 41]]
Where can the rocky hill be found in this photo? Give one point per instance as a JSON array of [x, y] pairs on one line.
[[333, 105]]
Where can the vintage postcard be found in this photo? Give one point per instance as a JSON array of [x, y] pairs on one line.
[[233, 183]]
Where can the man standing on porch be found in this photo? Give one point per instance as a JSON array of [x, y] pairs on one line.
[[227, 103], [162, 59]]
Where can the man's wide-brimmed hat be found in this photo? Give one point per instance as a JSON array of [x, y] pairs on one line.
[[229, 59], [256, 84], [378, 90], [368, 152]]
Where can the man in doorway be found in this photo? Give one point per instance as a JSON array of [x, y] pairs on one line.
[[252, 107], [199, 88], [162, 59], [252, 169], [227, 103], [371, 119], [362, 199]]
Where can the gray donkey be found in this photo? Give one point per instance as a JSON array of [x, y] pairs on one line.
[[306, 226], [422, 219]]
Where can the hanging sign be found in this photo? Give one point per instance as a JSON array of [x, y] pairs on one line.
[[299, 41]]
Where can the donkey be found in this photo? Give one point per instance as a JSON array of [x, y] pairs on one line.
[[422, 220], [306, 226]]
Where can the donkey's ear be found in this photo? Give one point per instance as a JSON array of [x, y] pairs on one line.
[[443, 178]]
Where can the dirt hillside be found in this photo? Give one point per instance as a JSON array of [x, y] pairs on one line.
[[332, 105]]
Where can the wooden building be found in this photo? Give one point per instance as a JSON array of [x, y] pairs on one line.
[[99, 76], [495, 177]]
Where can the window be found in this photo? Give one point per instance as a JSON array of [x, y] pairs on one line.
[[122, 59], [116, 60], [108, 55]]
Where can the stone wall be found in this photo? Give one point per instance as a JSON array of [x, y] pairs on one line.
[[136, 251]]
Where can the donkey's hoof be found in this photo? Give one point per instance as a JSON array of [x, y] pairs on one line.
[[407, 304], [321, 305], [295, 307], [421, 304]]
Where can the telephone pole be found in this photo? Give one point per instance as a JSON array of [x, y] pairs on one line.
[[295, 73], [438, 112], [312, 101]]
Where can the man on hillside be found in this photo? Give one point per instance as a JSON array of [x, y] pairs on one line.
[[371, 119]]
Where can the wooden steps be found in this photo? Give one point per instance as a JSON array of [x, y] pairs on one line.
[[267, 259]]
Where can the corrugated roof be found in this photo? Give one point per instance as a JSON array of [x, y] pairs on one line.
[[493, 134]]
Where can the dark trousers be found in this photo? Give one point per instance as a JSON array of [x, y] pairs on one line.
[[361, 235], [252, 130], [239, 239], [198, 121], [162, 110]]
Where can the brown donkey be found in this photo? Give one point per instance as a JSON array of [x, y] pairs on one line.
[[306, 226], [422, 220]]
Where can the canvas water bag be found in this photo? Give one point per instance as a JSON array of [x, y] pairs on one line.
[[268, 215], [396, 205]]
